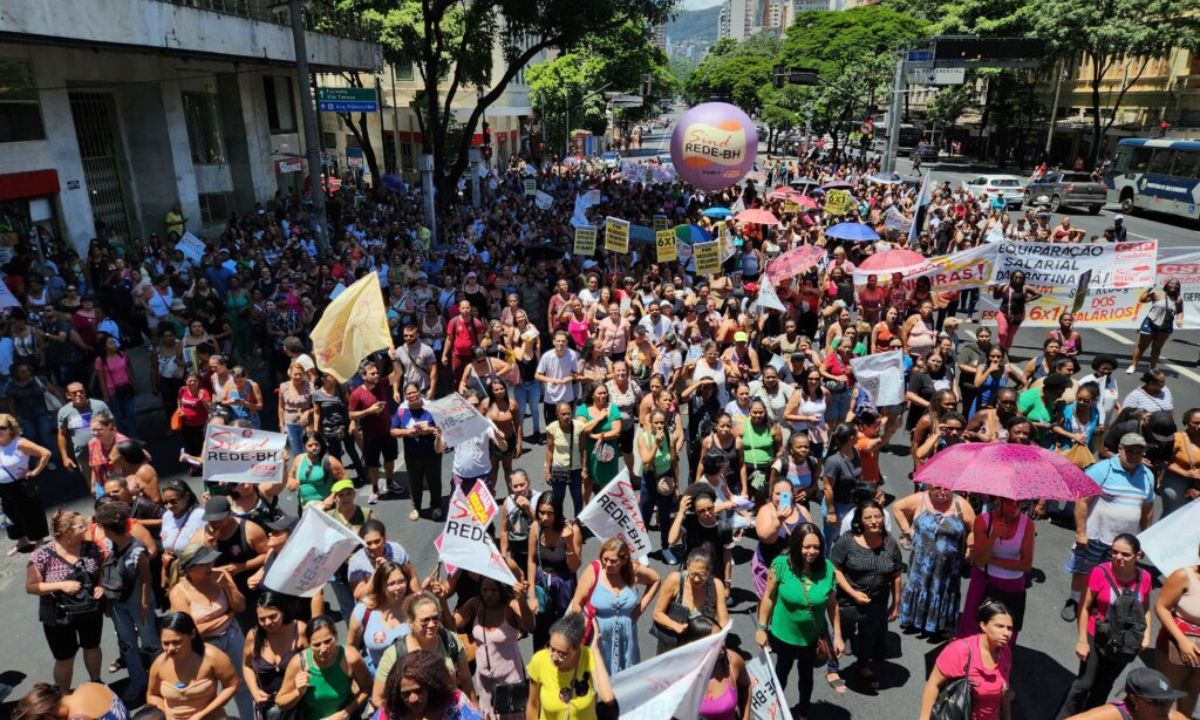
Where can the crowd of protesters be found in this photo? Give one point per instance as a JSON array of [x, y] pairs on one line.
[[737, 424]]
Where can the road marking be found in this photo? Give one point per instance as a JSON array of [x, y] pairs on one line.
[[1144, 237], [1189, 374]]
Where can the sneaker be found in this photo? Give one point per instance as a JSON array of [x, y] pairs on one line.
[[373, 498], [1131, 369], [437, 514], [669, 557], [414, 514], [1070, 611]]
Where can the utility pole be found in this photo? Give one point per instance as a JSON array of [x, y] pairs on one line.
[[311, 131], [1059, 71], [893, 127]]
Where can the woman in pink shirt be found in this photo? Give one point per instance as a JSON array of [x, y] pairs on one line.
[[116, 382], [985, 659], [613, 331]]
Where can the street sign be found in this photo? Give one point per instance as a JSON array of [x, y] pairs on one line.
[[347, 100], [937, 76]]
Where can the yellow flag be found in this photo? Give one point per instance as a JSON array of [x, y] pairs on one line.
[[352, 327]]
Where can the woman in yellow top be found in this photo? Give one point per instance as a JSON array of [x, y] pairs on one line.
[[567, 679]]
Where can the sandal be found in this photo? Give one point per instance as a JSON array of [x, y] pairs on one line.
[[836, 682]]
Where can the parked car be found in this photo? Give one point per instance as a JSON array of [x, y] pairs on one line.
[[1074, 189], [1008, 187]]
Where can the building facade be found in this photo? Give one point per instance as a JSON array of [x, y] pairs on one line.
[[135, 105]]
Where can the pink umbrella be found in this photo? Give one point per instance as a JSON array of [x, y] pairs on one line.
[[890, 260], [795, 261], [757, 216], [802, 200], [1017, 472], [780, 193]]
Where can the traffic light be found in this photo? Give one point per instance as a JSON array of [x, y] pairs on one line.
[[976, 49], [487, 134], [778, 76]]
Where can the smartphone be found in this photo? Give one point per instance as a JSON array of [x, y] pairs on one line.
[[785, 500]]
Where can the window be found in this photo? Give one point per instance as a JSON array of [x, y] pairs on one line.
[[214, 208], [406, 156], [1141, 158], [352, 141], [1187, 165], [404, 72], [328, 140], [1121, 162], [20, 113], [204, 128], [1160, 163], [281, 114]]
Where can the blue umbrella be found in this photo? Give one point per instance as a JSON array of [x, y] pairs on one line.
[[393, 182], [852, 231], [691, 234], [718, 213]]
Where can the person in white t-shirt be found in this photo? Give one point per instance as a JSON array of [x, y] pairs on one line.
[[557, 371]]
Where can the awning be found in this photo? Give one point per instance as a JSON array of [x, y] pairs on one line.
[[34, 183]]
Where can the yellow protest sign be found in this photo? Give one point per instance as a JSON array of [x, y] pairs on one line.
[[791, 206], [353, 326], [530, 187], [660, 222], [838, 202], [616, 235], [585, 240], [708, 257], [665, 240]]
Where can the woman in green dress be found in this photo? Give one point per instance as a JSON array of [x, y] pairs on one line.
[[601, 421], [237, 307], [329, 681]]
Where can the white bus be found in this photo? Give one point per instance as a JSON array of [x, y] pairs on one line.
[[1156, 174]]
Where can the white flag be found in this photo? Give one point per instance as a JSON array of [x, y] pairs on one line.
[[7, 299], [614, 511], [882, 376], [767, 701], [543, 200], [465, 544], [314, 551], [767, 297], [1171, 542], [918, 217], [669, 685], [457, 419], [243, 455]]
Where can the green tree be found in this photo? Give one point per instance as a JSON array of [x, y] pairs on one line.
[[735, 71], [950, 103], [1119, 39], [451, 42]]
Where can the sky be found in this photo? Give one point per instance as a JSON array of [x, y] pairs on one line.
[[700, 4]]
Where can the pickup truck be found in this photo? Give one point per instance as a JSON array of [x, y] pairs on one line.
[[1074, 189]]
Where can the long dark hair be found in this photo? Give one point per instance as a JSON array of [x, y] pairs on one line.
[[275, 601], [556, 505], [842, 434], [856, 526], [796, 555], [429, 671], [183, 624]]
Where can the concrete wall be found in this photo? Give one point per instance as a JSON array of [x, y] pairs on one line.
[[167, 27]]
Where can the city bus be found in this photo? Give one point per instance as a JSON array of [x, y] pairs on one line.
[[1157, 174]]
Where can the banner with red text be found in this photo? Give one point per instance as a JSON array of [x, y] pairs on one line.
[[614, 511]]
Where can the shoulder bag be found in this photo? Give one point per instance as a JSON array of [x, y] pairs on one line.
[[678, 612], [954, 700], [506, 697]]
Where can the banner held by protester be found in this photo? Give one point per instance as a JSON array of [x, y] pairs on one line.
[[614, 511], [243, 455], [315, 549]]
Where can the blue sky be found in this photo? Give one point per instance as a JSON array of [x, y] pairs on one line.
[[698, 4]]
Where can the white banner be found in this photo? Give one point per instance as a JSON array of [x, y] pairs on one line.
[[543, 200], [1171, 542], [316, 548], [767, 701], [614, 511], [882, 376], [896, 220], [192, 247], [464, 542], [767, 296], [671, 685], [971, 268], [457, 420], [243, 455], [1060, 265]]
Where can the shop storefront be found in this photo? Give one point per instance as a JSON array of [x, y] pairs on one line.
[[29, 212]]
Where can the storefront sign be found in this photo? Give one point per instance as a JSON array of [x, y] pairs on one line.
[[289, 165]]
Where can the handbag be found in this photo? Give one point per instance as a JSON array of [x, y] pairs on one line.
[[177, 420], [604, 451], [678, 612], [1078, 455], [506, 697], [954, 701], [824, 648], [53, 404], [68, 607], [541, 590]]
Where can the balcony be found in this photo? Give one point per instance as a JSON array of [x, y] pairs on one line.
[[219, 29]]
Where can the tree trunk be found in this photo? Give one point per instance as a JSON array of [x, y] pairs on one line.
[[1097, 77]]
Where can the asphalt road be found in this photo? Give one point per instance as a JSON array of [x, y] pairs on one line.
[[1044, 662]]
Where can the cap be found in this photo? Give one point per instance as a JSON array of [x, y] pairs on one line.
[[741, 337], [1118, 217], [197, 554], [280, 523], [1161, 427], [1150, 684], [751, 287], [1132, 440], [472, 275], [217, 508], [343, 484], [665, 304]]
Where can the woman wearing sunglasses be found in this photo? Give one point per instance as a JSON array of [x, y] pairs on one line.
[[567, 678]]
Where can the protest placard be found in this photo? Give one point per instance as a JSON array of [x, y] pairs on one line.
[[543, 200], [243, 455], [838, 202], [767, 296], [882, 376], [665, 242], [893, 219], [464, 542], [661, 222], [585, 240], [767, 701], [1171, 542], [708, 257], [315, 549], [614, 511], [482, 506], [616, 235], [192, 247], [530, 187], [670, 685], [457, 419]]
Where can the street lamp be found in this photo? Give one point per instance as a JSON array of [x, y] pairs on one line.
[[309, 114]]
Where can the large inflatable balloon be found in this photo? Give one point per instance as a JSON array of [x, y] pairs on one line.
[[714, 145]]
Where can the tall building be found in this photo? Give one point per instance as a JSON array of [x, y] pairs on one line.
[[739, 19], [660, 36], [799, 6], [112, 112]]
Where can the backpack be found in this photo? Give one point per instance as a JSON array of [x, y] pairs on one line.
[[1120, 633], [449, 641], [116, 576]]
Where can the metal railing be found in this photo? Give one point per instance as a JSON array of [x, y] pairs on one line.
[[319, 16]]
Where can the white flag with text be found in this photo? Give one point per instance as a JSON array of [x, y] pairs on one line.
[[465, 544], [614, 511], [312, 554], [671, 685]]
